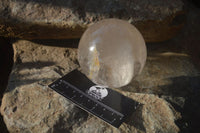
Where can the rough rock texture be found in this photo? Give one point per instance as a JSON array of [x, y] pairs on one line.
[[30, 106], [158, 20]]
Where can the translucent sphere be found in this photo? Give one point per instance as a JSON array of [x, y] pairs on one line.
[[112, 52]]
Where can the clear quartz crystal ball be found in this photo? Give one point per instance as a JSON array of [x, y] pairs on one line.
[[112, 52]]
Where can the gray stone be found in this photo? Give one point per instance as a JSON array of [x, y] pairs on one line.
[[157, 20], [30, 106]]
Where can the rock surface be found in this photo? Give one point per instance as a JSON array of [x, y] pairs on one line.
[[157, 20], [30, 106]]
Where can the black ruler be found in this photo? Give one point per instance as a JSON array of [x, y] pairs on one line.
[[105, 103]]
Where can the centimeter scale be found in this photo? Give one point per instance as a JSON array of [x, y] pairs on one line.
[[105, 103]]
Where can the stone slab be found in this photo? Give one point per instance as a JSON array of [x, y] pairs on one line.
[[30, 106], [157, 20]]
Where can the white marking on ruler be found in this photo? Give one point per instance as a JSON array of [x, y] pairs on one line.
[[113, 120]]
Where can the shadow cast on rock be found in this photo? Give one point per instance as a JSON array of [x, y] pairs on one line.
[[28, 73], [6, 59], [67, 43], [79, 117], [189, 89], [181, 86], [36, 65], [136, 119], [183, 94]]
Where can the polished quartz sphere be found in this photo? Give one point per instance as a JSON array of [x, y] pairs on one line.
[[112, 52]]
